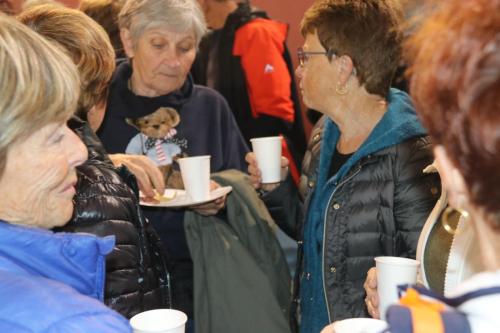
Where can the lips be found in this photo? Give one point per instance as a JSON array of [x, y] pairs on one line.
[[70, 187], [70, 190], [170, 75]]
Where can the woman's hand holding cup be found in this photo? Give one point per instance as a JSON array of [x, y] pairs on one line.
[[256, 175]]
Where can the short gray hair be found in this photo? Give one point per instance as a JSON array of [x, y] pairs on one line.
[[137, 16], [39, 84]]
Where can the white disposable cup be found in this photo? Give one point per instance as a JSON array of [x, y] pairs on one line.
[[159, 321], [359, 325], [268, 153], [195, 172], [392, 272]]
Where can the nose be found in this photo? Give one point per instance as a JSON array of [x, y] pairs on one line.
[[298, 71], [76, 151], [156, 126], [171, 59]]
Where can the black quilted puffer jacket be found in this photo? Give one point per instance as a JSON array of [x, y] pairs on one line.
[[377, 207], [106, 203]]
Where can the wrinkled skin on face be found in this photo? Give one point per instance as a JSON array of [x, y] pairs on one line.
[[39, 179], [316, 78], [161, 60]]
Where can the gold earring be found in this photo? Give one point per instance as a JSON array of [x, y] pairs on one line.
[[446, 214], [340, 90]]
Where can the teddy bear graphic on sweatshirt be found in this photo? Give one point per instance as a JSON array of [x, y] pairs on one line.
[[156, 141]]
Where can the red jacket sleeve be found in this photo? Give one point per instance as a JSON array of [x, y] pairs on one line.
[[260, 45]]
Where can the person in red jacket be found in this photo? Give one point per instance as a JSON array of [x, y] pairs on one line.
[[246, 59]]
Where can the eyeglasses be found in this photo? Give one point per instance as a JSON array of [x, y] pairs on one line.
[[304, 56]]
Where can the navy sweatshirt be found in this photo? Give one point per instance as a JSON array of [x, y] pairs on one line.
[[207, 127]]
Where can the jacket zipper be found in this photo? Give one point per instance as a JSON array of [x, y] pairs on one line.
[[324, 237]]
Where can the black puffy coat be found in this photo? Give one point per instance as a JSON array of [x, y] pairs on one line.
[[106, 203], [378, 208]]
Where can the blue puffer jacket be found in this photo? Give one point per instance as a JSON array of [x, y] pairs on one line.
[[54, 282]]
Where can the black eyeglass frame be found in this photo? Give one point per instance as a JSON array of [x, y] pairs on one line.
[[303, 56]]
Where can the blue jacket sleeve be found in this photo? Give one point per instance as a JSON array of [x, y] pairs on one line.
[[102, 322]]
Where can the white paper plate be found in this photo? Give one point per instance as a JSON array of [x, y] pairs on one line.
[[181, 199]]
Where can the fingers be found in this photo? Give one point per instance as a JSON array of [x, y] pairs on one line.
[[250, 158], [213, 185], [153, 173], [372, 310], [328, 329], [256, 181], [255, 174], [116, 159], [270, 187], [371, 299], [142, 179], [371, 278], [253, 170], [284, 162], [149, 177], [210, 208]]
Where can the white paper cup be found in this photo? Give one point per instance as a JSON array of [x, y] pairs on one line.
[[392, 272], [268, 153], [195, 172], [359, 325], [159, 321]]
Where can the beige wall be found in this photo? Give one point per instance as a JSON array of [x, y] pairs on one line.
[[289, 11]]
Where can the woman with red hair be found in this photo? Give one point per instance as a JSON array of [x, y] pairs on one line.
[[455, 83]]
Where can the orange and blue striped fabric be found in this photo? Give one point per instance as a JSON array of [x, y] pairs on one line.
[[420, 311]]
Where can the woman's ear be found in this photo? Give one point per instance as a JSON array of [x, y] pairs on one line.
[[127, 43], [452, 179], [95, 116], [345, 68]]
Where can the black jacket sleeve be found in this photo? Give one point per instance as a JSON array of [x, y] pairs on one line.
[[415, 194], [285, 207]]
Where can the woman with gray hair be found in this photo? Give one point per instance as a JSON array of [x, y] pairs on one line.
[[160, 38], [48, 282]]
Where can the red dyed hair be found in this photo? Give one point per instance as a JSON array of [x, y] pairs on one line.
[[455, 82]]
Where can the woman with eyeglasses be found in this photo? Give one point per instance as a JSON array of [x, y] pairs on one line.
[[363, 193], [454, 59]]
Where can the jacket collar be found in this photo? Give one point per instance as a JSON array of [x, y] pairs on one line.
[[398, 124], [74, 259], [95, 149], [242, 15]]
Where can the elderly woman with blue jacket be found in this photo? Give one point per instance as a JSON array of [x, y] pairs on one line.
[[105, 202], [362, 193], [48, 282]]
